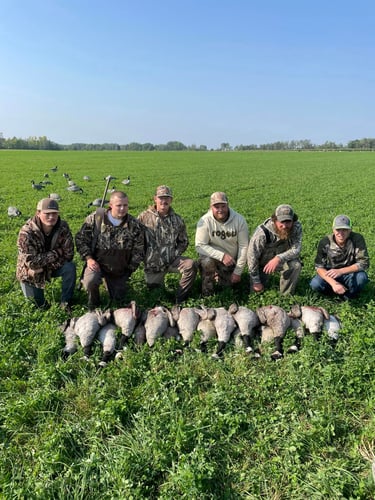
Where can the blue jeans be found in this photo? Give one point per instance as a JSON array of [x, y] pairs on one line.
[[68, 274], [353, 282]]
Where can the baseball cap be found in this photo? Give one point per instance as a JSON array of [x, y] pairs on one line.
[[164, 191], [342, 222], [284, 212], [47, 205], [218, 197]]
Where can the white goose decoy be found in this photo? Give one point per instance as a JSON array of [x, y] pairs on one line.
[[54, 196], [126, 181], [14, 212], [74, 189]]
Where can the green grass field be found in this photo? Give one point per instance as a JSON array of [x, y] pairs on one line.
[[150, 426]]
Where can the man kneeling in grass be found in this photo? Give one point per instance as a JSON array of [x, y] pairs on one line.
[[45, 251], [341, 261]]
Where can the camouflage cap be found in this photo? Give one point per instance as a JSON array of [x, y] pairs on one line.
[[164, 191], [342, 222], [284, 213], [47, 205], [218, 197]]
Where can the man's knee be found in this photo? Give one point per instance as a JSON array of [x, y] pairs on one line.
[[188, 267], [91, 280], [207, 265], [295, 266], [69, 270], [359, 281], [319, 285], [154, 280]]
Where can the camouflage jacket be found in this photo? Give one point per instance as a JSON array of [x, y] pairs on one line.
[[119, 249], [266, 244], [331, 256], [35, 263], [166, 238]]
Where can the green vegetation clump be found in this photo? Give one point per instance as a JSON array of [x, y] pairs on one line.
[[154, 425]]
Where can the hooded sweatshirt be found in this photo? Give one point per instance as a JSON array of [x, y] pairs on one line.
[[214, 239]]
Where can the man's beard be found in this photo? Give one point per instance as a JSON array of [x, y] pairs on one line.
[[283, 234]]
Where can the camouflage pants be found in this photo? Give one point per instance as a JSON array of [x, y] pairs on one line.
[[214, 272], [116, 286], [186, 267], [289, 274]]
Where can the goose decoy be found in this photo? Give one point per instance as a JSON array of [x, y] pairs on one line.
[[75, 189], [14, 212], [38, 187], [97, 203], [126, 181], [54, 196]]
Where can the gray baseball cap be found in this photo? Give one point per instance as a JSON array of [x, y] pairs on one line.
[[47, 205], [284, 212], [342, 222]]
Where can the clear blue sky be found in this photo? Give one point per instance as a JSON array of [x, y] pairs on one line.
[[198, 71]]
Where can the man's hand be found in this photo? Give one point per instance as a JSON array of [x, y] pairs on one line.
[[92, 265], [272, 265], [33, 272], [338, 288], [334, 273], [235, 278], [228, 260], [258, 287]]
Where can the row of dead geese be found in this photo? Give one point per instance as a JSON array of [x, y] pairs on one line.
[[247, 328]]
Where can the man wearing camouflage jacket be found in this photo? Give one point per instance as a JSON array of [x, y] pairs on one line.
[[275, 246], [166, 241], [113, 253], [45, 251], [341, 261]]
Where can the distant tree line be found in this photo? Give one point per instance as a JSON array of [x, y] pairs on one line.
[[43, 143]]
